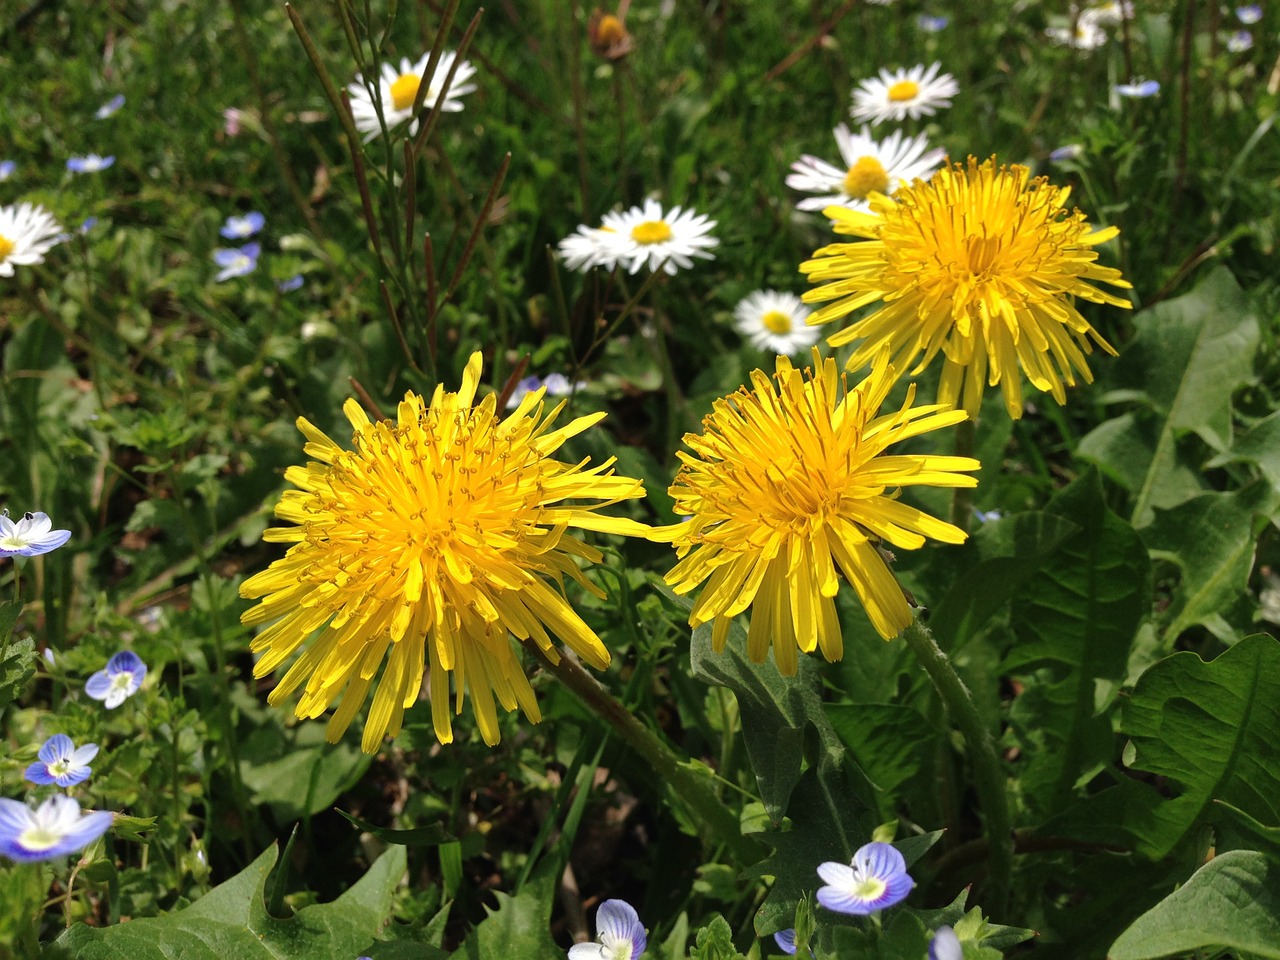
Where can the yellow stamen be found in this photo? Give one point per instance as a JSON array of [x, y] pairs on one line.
[[651, 231], [404, 89], [904, 90], [775, 321], [865, 177]]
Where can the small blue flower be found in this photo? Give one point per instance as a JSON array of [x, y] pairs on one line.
[[89, 164], [110, 107], [30, 536], [786, 941], [236, 262], [54, 829], [89, 224], [931, 24], [1070, 151], [987, 516], [241, 228], [557, 384], [876, 878], [61, 762], [293, 283], [6, 169], [1240, 41], [620, 931], [120, 680], [945, 945], [1138, 88], [1249, 14]]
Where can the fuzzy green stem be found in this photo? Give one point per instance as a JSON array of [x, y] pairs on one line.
[[693, 791], [988, 774]]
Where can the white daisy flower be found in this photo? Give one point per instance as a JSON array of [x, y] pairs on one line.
[[648, 236], [398, 89], [898, 94], [1084, 34], [870, 167], [775, 322], [27, 233], [589, 247]]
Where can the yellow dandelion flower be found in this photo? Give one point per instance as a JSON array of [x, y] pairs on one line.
[[431, 543], [978, 263], [788, 483]]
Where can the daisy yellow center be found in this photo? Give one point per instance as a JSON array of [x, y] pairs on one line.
[[403, 89], [775, 321], [610, 30], [865, 177], [981, 265], [6, 248], [651, 231], [904, 90]]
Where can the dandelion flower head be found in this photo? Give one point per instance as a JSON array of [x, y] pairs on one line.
[[789, 482], [980, 264], [426, 547]]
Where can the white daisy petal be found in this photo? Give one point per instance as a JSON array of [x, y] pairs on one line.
[[27, 233], [870, 166], [775, 322], [648, 237], [898, 94], [397, 90]]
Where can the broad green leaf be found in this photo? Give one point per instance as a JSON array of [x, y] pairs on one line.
[[1255, 835], [519, 926], [1231, 903], [231, 921], [1259, 445], [295, 770], [17, 667], [1075, 621], [892, 742], [715, 942], [1211, 729], [431, 835], [1187, 358], [1212, 539], [1012, 550]]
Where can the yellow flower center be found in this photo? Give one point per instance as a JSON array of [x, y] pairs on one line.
[[610, 30], [904, 90], [6, 248], [404, 89], [651, 231], [775, 321], [869, 888], [865, 177]]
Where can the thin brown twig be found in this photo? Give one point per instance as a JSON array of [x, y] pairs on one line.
[[794, 57]]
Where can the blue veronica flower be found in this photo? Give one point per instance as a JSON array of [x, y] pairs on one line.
[[92, 163], [1250, 13], [30, 536], [110, 107], [987, 516], [293, 283], [236, 262], [945, 945], [6, 169], [61, 762], [54, 829], [557, 384], [1070, 151], [931, 24], [1240, 41], [1138, 88], [786, 941], [620, 931], [876, 878], [240, 228], [119, 680]]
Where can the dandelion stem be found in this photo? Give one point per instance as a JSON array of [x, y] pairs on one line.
[[988, 776], [694, 791]]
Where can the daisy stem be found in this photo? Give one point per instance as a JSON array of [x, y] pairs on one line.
[[988, 775], [693, 790]]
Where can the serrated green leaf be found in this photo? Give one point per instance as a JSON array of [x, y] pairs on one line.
[[17, 668], [715, 942], [232, 921], [1077, 617], [1210, 728], [519, 926], [1212, 539], [892, 742], [1232, 902], [1187, 358], [1259, 445]]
